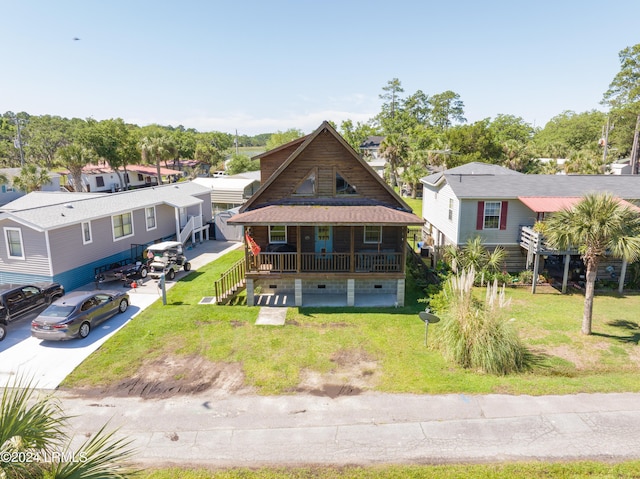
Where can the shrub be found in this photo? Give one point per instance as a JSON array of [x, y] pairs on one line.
[[475, 335], [526, 276]]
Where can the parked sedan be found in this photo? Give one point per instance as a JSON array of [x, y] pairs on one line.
[[75, 314]]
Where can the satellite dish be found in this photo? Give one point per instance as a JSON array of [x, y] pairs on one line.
[[428, 317]]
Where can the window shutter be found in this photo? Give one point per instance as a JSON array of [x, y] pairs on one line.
[[480, 215], [503, 215]]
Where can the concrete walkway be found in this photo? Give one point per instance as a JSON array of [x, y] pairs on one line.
[[271, 316], [250, 431]]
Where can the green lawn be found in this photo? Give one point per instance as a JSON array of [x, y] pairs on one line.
[[485, 471], [385, 346]]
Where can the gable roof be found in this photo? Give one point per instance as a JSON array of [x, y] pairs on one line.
[[325, 126], [475, 168], [43, 211], [480, 180]]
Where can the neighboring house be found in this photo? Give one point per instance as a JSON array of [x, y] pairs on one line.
[[325, 224], [63, 237], [9, 193], [370, 147], [102, 178], [499, 204], [228, 193]]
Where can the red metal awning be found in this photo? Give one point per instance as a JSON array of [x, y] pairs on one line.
[[550, 204]]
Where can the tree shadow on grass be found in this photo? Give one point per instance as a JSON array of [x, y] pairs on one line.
[[628, 326]]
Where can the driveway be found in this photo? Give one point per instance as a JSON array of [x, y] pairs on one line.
[[47, 363]]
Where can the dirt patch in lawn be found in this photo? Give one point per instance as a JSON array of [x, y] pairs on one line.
[[173, 375], [354, 372]]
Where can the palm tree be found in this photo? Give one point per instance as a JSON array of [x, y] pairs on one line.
[[31, 178], [156, 148], [75, 157], [395, 149], [597, 225], [35, 427]]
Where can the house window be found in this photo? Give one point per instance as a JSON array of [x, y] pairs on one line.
[[307, 187], [99, 181], [140, 177], [492, 215], [14, 243], [373, 234], [150, 215], [86, 232], [450, 209], [122, 226], [343, 187], [277, 234]]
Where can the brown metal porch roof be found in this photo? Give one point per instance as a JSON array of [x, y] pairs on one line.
[[334, 215]]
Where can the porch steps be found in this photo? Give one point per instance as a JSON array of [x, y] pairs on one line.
[[231, 282]]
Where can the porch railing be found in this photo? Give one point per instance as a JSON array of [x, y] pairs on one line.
[[363, 262]]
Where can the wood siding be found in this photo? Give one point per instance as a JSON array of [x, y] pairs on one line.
[[517, 215], [270, 163], [328, 156]]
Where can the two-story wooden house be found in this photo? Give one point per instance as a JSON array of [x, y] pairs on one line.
[[323, 222]]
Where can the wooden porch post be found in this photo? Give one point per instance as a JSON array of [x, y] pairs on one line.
[[536, 265], [565, 276], [352, 249], [298, 249], [403, 242]]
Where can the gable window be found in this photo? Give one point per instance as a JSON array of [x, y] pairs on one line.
[[343, 187], [150, 215], [492, 215], [277, 234], [450, 209], [372, 234], [13, 237], [307, 187], [86, 232], [122, 226], [99, 181]]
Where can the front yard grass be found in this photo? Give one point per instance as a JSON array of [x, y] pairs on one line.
[[387, 344]]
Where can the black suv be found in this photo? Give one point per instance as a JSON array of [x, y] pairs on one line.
[[18, 300]]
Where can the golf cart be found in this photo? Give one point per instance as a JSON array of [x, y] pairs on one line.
[[168, 258]]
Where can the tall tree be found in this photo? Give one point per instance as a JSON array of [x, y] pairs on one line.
[[107, 139], [597, 225], [75, 158], [624, 94], [388, 117], [43, 136], [446, 109]]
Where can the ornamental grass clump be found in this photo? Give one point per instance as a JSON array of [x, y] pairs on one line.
[[476, 335]]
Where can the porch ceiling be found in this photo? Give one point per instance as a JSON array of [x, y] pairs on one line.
[[335, 215]]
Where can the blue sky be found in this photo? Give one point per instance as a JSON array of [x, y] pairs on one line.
[[262, 66]]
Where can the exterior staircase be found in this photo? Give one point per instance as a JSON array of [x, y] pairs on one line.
[[231, 282]]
